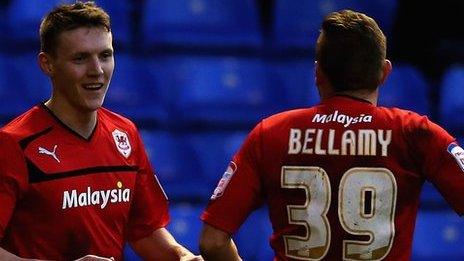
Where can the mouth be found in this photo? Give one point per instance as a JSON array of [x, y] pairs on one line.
[[93, 86]]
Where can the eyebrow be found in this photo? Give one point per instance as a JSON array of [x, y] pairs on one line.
[[107, 50]]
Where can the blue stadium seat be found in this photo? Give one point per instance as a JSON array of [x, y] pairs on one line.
[[23, 18], [121, 20], [201, 22], [5, 89], [406, 88], [130, 255], [296, 23], [134, 90], [3, 28], [222, 90], [383, 11], [213, 152], [23, 83], [297, 78], [451, 99], [431, 198], [186, 225], [460, 140], [252, 239], [175, 165], [439, 235], [35, 84]]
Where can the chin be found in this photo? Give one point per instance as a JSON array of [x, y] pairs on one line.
[[93, 106]]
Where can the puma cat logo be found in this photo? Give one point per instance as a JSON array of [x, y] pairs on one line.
[[49, 153]]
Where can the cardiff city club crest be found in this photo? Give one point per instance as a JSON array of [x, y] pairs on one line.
[[122, 142]]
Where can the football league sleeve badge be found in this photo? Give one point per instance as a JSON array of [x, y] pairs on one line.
[[458, 153], [122, 143], [231, 169]]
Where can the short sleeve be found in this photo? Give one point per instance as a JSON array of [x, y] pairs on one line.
[[13, 178], [442, 160], [239, 191], [149, 210]]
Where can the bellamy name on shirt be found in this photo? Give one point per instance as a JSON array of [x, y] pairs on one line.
[[363, 142]]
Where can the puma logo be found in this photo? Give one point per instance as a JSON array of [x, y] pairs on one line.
[[50, 153]]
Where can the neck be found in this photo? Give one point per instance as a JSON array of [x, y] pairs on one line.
[[368, 95], [83, 123]]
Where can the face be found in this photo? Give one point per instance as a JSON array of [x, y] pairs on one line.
[[81, 69]]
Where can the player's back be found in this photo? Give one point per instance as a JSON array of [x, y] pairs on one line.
[[342, 179]]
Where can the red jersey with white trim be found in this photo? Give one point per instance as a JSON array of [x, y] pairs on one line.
[[341, 180], [63, 196]]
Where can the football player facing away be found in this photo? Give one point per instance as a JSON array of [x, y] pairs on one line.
[[75, 182], [341, 179]]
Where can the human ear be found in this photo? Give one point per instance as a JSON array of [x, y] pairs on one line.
[[44, 60], [386, 70]]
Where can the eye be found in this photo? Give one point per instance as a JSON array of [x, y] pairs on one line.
[[79, 58], [106, 55]]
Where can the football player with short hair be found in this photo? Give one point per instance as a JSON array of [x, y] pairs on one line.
[[75, 181], [341, 179]]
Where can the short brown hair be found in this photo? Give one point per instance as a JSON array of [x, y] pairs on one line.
[[351, 50], [69, 17]]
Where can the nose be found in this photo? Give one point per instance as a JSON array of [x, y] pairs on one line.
[[95, 67]]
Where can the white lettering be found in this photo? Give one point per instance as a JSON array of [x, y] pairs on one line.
[[320, 118], [69, 201], [126, 195], [349, 139], [105, 196], [294, 145], [114, 196], [318, 149], [346, 120], [329, 118], [307, 149], [385, 141], [363, 142], [366, 142], [331, 149], [82, 199], [88, 197], [341, 118], [95, 198]]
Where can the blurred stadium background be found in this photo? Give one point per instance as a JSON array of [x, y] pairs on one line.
[[196, 75]]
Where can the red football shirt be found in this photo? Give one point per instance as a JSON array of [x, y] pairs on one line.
[[341, 180], [63, 196]]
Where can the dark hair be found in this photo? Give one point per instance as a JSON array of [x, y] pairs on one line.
[[351, 50], [69, 17]]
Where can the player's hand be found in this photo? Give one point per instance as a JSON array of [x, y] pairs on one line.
[[191, 258], [94, 258]]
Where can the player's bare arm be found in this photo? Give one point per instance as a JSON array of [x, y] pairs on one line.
[[216, 244], [161, 245], [7, 256], [94, 258]]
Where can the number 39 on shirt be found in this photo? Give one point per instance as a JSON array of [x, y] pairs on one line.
[[366, 206]]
